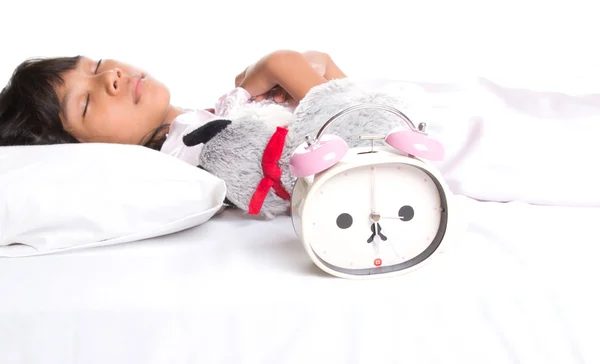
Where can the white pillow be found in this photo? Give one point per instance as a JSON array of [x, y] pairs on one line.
[[59, 197]]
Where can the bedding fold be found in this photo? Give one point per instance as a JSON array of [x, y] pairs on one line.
[[507, 144]]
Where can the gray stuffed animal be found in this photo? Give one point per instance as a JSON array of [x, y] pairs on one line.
[[251, 154]]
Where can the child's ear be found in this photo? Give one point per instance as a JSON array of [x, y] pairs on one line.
[[206, 132]]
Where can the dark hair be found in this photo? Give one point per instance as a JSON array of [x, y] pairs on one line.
[[156, 137], [29, 105]]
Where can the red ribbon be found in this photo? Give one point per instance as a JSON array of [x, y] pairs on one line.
[[271, 171]]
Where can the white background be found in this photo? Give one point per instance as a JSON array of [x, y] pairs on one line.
[[197, 48]]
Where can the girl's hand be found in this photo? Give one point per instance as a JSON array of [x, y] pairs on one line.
[[277, 94]]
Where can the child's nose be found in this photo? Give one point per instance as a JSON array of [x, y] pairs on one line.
[[112, 80]]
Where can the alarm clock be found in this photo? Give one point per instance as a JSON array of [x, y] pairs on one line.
[[368, 212]]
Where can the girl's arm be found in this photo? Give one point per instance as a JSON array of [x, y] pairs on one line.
[[324, 65], [292, 71]]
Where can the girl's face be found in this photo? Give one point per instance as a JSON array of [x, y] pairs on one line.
[[112, 102]]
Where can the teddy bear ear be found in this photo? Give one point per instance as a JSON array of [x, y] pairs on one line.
[[206, 132]]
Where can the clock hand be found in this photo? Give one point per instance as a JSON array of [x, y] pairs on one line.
[[381, 236], [373, 190]]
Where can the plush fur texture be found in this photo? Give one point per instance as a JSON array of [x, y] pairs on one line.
[[234, 148]]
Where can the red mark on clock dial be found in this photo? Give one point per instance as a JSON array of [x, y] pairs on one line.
[[377, 262]]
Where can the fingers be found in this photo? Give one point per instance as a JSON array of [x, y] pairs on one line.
[[279, 98], [280, 95], [277, 94]]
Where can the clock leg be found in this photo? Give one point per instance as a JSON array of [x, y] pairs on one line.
[[376, 231], [381, 236], [370, 239]]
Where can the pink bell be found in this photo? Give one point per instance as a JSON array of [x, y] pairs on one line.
[[310, 160], [416, 143]]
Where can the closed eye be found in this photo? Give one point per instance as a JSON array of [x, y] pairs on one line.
[[87, 100]]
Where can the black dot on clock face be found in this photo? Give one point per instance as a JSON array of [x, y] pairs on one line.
[[344, 221], [406, 213]]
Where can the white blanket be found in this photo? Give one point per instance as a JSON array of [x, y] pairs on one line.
[[507, 144], [518, 288]]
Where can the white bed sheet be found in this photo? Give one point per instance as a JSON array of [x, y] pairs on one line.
[[519, 287]]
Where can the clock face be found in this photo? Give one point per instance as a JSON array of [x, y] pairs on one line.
[[375, 219]]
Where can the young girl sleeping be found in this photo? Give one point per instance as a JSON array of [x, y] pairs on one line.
[[70, 100], [503, 144]]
